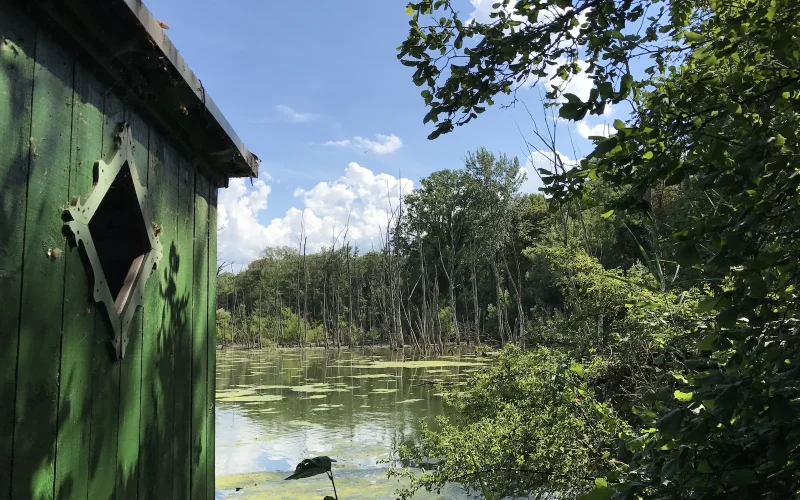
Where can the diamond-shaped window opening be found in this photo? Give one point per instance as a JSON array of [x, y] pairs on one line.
[[120, 237], [120, 240]]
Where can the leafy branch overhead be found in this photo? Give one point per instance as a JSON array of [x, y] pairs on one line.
[[714, 88], [466, 63]]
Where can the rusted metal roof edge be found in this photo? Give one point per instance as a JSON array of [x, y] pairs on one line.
[[151, 25]]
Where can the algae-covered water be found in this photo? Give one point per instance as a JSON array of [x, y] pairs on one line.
[[275, 408]]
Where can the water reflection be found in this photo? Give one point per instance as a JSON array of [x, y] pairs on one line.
[[276, 408]]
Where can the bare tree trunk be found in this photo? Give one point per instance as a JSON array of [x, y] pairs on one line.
[[436, 319], [475, 299], [424, 328], [305, 293], [324, 309], [349, 301], [451, 286], [500, 305], [280, 316]]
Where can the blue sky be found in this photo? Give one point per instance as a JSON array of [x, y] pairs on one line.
[[315, 89]]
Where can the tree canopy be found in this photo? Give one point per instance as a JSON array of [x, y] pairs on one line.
[[714, 88]]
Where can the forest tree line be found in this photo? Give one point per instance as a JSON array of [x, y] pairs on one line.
[[662, 359], [656, 289], [461, 261]]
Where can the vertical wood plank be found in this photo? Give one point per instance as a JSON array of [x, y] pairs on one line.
[[183, 340], [212, 341], [42, 277], [130, 389], [199, 450], [105, 367], [75, 395], [17, 45], [161, 304]]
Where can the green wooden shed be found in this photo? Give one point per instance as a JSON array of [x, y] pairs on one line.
[[111, 154]]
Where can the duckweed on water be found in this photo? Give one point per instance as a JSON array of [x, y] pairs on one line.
[[235, 394], [352, 484], [379, 365], [244, 399], [311, 388], [270, 387]]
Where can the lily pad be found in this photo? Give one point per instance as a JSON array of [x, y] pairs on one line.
[[380, 365], [311, 388], [234, 394], [244, 399]]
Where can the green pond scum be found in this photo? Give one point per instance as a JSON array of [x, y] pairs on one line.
[[277, 407]]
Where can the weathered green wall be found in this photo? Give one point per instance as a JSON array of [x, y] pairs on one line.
[[75, 422]]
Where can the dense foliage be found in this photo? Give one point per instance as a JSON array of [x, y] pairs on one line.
[[450, 270], [690, 358]]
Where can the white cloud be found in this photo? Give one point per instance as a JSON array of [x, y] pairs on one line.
[[483, 10], [290, 115], [579, 84], [598, 130], [384, 144], [360, 198], [543, 159]]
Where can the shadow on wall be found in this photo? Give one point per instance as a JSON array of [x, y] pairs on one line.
[[74, 421]]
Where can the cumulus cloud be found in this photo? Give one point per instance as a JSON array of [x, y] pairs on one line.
[[546, 160], [290, 115], [382, 145], [598, 130], [360, 200], [579, 84]]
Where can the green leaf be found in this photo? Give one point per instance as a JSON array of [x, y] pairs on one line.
[[709, 304], [687, 255], [605, 146], [619, 125], [605, 89], [601, 482], [648, 155], [772, 11], [691, 36], [733, 107], [683, 396], [597, 493], [608, 214], [704, 467], [577, 368], [626, 85], [572, 111], [671, 422], [312, 467], [410, 10]]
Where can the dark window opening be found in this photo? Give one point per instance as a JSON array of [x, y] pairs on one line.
[[120, 237]]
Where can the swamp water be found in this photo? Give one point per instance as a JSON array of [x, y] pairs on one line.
[[275, 408]]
